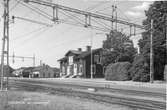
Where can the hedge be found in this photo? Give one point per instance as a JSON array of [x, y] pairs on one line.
[[118, 71]]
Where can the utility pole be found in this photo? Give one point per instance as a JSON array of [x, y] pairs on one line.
[[91, 55], [5, 44], [33, 60], [112, 23], [134, 30], [151, 55], [114, 13], [165, 46], [116, 18], [130, 31]]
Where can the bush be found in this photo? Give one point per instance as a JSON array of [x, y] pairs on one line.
[[140, 69], [118, 71]]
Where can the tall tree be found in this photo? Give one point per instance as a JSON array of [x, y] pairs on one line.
[[157, 12], [118, 47]]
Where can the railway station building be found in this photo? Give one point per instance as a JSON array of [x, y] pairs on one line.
[[77, 63]]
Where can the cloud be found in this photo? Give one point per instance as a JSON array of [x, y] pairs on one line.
[[143, 6], [137, 11], [133, 13]]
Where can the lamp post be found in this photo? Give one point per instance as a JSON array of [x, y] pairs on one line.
[[151, 55], [91, 42], [91, 55]]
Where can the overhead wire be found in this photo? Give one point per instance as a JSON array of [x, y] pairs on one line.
[[80, 21], [95, 6], [27, 34], [32, 21], [65, 43], [15, 5], [127, 18], [72, 17], [40, 10], [36, 35], [97, 22], [95, 27], [104, 8], [36, 11], [92, 7]]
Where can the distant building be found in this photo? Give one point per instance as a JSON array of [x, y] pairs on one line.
[[7, 71], [27, 72], [43, 71], [78, 63], [18, 72]]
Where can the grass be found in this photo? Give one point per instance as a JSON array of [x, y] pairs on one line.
[[23, 100]]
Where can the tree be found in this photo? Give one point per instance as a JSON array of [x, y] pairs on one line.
[[118, 47], [157, 12], [140, 69]]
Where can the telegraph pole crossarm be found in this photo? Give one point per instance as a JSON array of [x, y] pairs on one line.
[[30, 20]]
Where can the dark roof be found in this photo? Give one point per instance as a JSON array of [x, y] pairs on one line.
[[28, 69], [38, 68], [80, 54], [62, 59], [86, 53], [74, 52]]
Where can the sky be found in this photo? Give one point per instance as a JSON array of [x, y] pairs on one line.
[[51, 43]]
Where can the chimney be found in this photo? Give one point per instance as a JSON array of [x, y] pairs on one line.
[[88, 48], [79, 49]]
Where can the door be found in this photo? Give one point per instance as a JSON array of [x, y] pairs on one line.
[[75, 69], [68, 70]]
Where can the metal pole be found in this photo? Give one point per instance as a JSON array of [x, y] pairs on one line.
[[89, 21], [7, 26], [54, 19], [4, 46], [130, 30], [91, 66], [13, 58], [151, 55], [86, 22], [165, 45], [116, 18], [33, 60], [112, 17], [134, 30]]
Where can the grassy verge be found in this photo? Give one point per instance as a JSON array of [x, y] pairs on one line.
[[22, 100]]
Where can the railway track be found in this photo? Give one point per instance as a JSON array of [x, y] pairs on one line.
[[54, 89], [106, 88]]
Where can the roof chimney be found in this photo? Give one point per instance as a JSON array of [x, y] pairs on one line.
[[88, 48], [79, 49]]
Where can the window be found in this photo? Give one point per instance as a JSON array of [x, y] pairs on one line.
[[63, 69], [80, 69], [97, 59]]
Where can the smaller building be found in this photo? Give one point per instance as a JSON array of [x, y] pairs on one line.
[[18, 72], [44, 71], [8, 70]]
